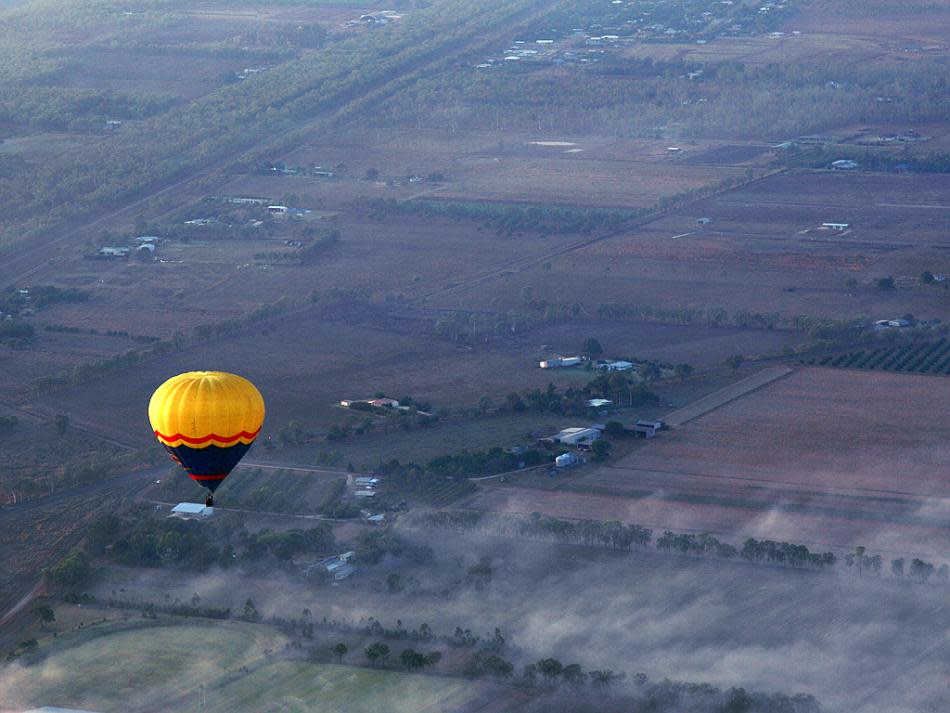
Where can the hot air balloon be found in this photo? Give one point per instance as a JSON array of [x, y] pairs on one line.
[[207, 421]]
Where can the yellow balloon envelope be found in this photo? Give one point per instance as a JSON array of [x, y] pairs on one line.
[[207, 420]]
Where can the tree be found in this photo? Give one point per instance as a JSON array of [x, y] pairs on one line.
[[62, 423], [613, 428], [897, 567], [377, 653], [513, 402], [573, 674], [603, 679], [45, 613], [339, 650], [71, 572], [884, 283], [926, 277], [250, 611], [480, 574], [920, 569], [394, 583], [550, 668], [859, 558], [412, 659], [735, 361], [592, 348], [600, 449], [682, 371]]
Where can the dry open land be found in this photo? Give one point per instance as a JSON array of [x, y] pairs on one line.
[[764, 250], [918, 24], [589, 170], [824, 457]]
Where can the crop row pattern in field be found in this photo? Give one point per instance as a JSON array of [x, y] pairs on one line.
[[920, 358]]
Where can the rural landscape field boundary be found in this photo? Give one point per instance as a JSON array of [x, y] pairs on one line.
[[726, 395]]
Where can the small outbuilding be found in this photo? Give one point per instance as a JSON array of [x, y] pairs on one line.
[[844, 164], [576, 436], [566, 460], [191, 511]]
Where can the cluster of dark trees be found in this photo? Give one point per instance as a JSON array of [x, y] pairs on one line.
[[918, 569], [162, 541], [617, 535], [506, 218], [458, 467], [378, 654], [752, 549], [12, 300], [335, 503], [614, 535], [488, 462], [615, 385], [869, 160], [712, 317], [16, 333], [372, 545], [784, 553], [74, 109]]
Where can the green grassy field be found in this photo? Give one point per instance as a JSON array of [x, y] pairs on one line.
[[126, 670], [291, 686]]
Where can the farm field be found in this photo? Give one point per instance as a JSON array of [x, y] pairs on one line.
[[823, 456], [305, 365], [764, 251], [594, 171], [912, 23], [311, 688], [816, 44], [114, 670], [920, 357]]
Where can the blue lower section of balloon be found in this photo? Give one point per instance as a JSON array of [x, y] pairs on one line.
[[208, 466]]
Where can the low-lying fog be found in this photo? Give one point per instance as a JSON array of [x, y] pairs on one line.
[[855, 643]]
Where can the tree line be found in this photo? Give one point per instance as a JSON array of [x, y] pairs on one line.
[[617, 535], [506, 218]]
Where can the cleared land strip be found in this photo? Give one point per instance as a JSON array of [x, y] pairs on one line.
[[727, 395]]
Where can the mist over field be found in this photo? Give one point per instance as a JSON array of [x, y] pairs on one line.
[[514, 356]]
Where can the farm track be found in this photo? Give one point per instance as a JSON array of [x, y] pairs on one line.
[[20, 262], [727, 395]]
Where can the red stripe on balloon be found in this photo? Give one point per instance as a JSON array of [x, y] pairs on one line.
[[208, 477], [209, 437]]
